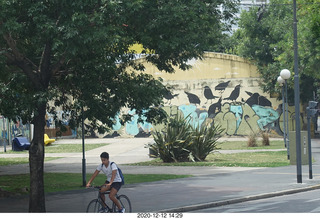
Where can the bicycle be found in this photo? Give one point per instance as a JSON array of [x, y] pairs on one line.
[[96, 206]]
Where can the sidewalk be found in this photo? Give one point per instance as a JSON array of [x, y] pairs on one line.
[[210, 186]]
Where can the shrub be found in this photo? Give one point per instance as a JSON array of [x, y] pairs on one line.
[[204, 141], [172, 145], [265, 138], [180, 142], [252, 140]]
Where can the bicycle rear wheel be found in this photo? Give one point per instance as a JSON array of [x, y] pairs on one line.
[[124, 202], [94, 206]]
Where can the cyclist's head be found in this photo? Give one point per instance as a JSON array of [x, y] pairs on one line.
[[104, 155]]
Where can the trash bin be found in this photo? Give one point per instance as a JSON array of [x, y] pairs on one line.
[[20, 144]]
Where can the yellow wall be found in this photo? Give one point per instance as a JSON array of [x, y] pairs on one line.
[[250, 111], [213, 66]]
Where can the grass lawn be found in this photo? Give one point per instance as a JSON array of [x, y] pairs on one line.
[[256, 159], [60, 148], [69, 181], [71, 148], [20, 160], [55, 182], [247, 159], [242, 145], [76, 148]]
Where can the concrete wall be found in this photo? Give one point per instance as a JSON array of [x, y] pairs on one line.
[[237, 103]]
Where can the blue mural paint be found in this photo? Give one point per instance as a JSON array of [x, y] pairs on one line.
[[267, 116], [117, 125], [146, 126], [196, 118], [203, 115], [238, 112], [264, 116], [132, 127]]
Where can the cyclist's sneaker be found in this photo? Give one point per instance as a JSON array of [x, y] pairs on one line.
[[122, 210]]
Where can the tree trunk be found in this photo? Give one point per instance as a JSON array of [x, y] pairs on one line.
[[36, 159]]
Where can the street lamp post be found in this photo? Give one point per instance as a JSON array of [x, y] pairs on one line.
[[285, 75], [297, 93], [281, 82], [83, 153]]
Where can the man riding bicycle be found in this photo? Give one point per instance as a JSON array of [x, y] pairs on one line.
[[113, 182]]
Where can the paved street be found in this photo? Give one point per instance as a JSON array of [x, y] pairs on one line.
[[305, 202], [210, 186]]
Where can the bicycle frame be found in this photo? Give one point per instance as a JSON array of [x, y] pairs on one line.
[[97, 203]]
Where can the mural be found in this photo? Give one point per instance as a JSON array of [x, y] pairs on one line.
[[219, 89], [228, 104], [237, 112]]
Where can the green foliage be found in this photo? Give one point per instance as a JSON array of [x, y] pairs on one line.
[[204, 140], [173, 143], [180, 141], [265, 36], [171, 28], [76, 54], [261, 39]]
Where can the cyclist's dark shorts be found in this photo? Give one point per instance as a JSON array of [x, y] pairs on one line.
[[116, 185]]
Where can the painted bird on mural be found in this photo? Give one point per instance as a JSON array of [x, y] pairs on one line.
[[193, 99], [257, 99], [169, 96], [234, 94], [208, 94], [222, 86], [214, 108]]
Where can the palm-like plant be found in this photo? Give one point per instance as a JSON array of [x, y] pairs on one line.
[[179, 141], [204, 141], [172, 144]]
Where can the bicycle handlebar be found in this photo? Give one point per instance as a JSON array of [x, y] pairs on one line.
[[98, 188]]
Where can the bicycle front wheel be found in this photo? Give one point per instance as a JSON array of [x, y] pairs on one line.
[[124, 202], [94, 206]]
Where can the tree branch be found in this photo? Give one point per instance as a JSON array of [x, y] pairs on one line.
[[19, 57], [44, 64], [56, 67], [16, 58]]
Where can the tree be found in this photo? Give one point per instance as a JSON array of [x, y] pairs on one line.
[[265, 36], [75, 55], [259, 35], [310, 56]]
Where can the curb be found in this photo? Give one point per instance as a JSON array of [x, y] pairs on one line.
[[238, 200]]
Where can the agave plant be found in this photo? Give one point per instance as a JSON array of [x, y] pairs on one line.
[[204, 141], [173, 143], [179, 141]]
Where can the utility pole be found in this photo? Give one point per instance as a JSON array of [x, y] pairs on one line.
[[84, 183], [297, 93]]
